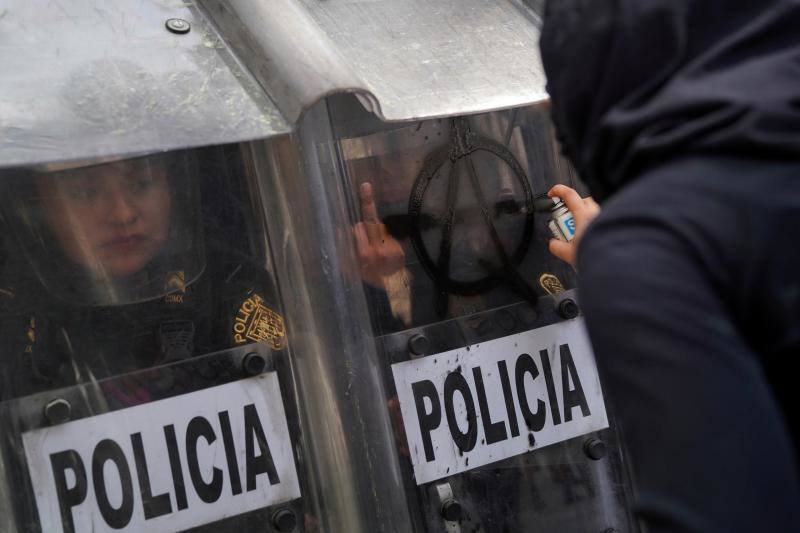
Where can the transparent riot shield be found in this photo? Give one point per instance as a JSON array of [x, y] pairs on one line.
[[145, 378], [339, 324], [436, 309]]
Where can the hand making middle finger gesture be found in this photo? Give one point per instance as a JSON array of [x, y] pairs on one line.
[[379, 254]]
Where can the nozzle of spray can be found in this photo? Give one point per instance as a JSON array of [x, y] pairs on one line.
[[561, 223]]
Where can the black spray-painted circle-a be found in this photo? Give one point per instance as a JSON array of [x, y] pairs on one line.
[[459, 153]]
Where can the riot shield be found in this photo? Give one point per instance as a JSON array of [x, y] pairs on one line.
[[145, 376], [472, 327], [276, 266]]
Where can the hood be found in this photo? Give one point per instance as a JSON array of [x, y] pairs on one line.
[[635, 83]]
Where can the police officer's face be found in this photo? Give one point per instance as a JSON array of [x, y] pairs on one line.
[[113, 218]]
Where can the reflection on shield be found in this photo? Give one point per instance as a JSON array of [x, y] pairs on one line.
[[483, 231]]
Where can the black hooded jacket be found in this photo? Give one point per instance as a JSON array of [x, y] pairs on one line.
[[636, 83], [685, 116]]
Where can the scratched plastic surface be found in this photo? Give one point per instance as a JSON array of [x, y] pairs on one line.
[[86, 78], [495, 244], [257, 249], [127, 282], [456, 196]]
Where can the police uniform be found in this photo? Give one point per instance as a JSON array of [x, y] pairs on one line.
[[51, 344]]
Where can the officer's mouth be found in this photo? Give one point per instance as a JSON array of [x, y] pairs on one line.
[[125, 243]]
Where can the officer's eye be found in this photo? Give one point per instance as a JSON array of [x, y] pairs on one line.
[[82, 193], [141, 184]]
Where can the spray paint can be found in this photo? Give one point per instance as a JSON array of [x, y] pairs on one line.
[[561, 223]]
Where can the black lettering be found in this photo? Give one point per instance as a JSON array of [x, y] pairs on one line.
[[494, 431], [526, 365], [154, 506], [456, 382], [230, 452], [509, 398], [175, 467], [208, 492], [427, 421], [551, 389], [68, 497], [108, 450], [571, 397], [263, 461]]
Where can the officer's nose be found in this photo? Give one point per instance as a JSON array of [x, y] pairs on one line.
[[122, 208]]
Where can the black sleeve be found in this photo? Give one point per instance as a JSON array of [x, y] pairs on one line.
[[663, 272]]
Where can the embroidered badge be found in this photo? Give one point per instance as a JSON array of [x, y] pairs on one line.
[[256, 322], [550, 283], [175, 285]]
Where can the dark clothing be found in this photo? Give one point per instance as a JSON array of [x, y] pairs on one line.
[[51, 343], [685, 117], [636, 83], [690, 286]]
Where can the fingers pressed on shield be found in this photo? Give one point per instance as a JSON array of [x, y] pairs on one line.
[[369, 213], [362, 240], [379, 254]]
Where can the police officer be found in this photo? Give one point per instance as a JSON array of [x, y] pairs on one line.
[[112, 267], [109, 270]]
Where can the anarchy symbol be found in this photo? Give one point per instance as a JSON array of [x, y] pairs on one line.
[[459, 153]]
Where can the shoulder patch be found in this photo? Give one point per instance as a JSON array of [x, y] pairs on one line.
[[550, 283], [255, 322]]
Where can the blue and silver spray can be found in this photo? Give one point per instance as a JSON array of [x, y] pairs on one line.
[[561, 223]]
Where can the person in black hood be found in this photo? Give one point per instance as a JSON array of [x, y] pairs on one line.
[[683, 117]]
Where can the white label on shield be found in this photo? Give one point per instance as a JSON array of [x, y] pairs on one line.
[[167, 465], [483, 403]]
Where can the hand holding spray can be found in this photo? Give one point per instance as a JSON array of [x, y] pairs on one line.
[[561, 223]]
